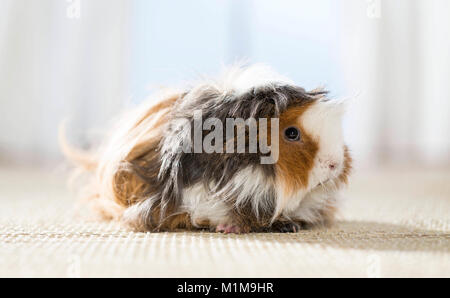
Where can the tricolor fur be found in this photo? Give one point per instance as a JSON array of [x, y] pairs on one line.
[[144, 179]]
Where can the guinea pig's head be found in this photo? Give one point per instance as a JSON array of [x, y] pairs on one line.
[[312, 152]]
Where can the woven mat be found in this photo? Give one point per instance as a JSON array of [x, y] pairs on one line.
[[393, 223]]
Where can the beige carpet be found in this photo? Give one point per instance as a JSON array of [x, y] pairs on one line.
[[393, 223]]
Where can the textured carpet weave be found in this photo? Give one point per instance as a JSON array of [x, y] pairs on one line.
[[393, 223]]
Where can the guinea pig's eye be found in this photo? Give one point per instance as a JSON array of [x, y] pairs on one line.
[[292, 134]]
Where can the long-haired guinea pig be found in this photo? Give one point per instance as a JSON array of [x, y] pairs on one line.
[[247, 152]]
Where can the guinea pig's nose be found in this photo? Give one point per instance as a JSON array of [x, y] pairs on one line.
[[330, 164]]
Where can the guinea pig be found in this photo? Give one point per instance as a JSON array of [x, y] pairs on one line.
[[249, 151]]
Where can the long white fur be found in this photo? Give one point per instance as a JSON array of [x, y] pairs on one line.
[[239, 79]]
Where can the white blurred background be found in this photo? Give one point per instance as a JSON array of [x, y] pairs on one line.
[[88, 59]]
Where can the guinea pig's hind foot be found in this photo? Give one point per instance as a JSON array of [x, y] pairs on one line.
[[230, 229]]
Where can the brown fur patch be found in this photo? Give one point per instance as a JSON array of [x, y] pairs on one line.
[[132, 186], [178, 221], [126, 186], [296, 159], [343, 177]]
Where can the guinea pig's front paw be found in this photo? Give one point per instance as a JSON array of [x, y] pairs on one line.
[[286, 227], [230, 229]]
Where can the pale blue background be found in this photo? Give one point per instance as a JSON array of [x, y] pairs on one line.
[[173, 41]]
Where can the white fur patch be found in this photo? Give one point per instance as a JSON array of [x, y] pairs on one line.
[[248, 184], [242, 79], [323, 122], [201, 206], [252, 184]]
